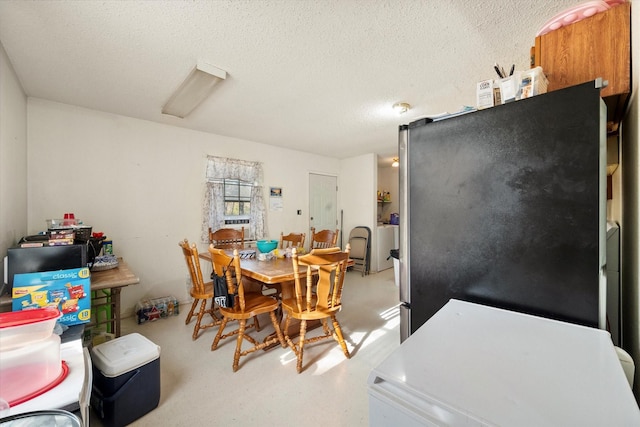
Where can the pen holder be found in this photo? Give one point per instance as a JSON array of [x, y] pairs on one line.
[[510, 88]]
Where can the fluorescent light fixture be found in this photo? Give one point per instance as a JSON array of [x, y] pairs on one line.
[[401, 107], [396, 162], [196, 87]]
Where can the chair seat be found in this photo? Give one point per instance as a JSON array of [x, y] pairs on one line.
[[254, 304], [208, 292], [289, 305]]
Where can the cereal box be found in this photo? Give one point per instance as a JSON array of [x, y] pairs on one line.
[[68, 290]]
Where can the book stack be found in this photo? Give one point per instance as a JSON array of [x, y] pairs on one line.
[[61, 237]]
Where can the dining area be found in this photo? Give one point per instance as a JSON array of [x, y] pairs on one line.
[[199, 386], [289, 292]]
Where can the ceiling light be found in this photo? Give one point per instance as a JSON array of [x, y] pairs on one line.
[[396, 162], [196, 87], [401, 107]]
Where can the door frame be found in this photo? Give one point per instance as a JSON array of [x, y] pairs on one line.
[[335, 196]]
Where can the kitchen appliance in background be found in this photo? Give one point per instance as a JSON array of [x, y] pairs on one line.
[[386, 242], [43, 258], [506, 207]]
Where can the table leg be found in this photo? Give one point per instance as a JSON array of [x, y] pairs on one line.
[[115, 295]]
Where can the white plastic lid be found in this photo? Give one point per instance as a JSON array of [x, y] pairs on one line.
[[123, 354]]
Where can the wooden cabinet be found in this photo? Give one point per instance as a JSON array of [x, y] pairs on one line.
[[598, 46]]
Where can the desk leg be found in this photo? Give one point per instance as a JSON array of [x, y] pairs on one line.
[[115, 295]]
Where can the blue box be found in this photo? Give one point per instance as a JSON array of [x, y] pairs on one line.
[[68, 290]]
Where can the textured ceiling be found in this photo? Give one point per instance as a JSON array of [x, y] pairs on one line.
[[318, 76]]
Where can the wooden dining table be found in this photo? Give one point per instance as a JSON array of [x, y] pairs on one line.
[[276, 273]]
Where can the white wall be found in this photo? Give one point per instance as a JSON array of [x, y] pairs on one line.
[[13, 157], [142, 184], [630, 229], [357, 188]]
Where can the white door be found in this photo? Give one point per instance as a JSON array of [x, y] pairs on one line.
[[323, 202]]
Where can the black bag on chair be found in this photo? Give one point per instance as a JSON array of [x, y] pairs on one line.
[[221, 294]]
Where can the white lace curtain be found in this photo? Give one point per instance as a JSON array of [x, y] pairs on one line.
[[218, 169]]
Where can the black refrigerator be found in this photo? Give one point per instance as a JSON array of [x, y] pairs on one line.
[[506, 207]]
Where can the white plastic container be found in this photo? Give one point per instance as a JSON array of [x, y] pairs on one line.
[[533, 82], [116, 357], [21, 328], [29, 369]]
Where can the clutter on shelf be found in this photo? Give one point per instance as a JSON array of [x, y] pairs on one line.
[[515, 86]]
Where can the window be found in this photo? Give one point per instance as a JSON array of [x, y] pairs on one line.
[[237, 198], [233, 197]]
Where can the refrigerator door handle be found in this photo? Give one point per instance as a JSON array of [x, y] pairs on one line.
[[405, 321]]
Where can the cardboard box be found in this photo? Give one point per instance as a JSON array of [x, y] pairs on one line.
[[69, 290], [484, 94]]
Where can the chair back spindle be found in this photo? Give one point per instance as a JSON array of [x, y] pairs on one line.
[[227, 238], [193, 265], [200, 291], [291, 240], [323, 239], [245, 307], [318, 297]]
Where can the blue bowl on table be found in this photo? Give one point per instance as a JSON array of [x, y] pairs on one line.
[[265, 246]]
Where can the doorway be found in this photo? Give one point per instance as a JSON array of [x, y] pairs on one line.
[[323, 202]]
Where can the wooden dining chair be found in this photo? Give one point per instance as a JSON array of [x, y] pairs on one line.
[[319, 299], [292, 240], [323, 239], [227, 238], [245, 306], [201, 291]]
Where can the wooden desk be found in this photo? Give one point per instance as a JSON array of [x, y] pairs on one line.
[[112, 280], [108, 280]]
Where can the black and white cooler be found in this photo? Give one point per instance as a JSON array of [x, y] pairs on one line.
[[126, 379]]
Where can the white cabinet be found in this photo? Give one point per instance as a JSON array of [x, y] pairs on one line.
[[388, 238]]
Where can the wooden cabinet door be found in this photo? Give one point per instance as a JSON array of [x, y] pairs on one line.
[[598, 46]]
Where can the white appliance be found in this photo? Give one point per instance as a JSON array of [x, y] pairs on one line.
[[388, 238], [511, 216], [475, 365]]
